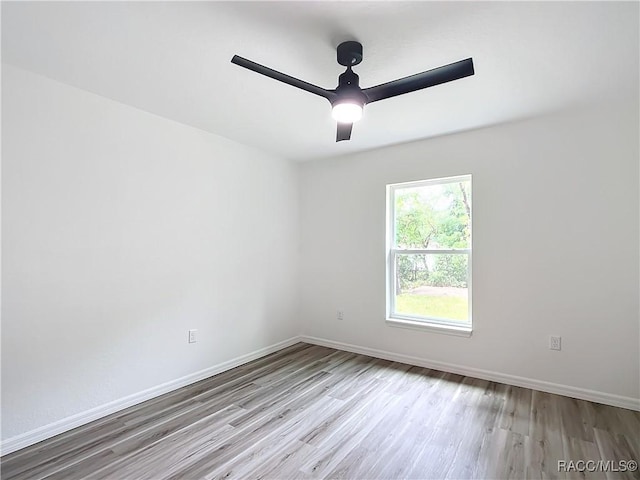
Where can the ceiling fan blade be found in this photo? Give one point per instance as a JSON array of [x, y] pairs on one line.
[[344, 131], [447, 73], [282, 77]]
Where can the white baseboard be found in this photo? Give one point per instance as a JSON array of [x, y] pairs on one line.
[[47, 431], [534, 384]]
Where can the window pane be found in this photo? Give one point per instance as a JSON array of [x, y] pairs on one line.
[[434, 216], [433, 285]]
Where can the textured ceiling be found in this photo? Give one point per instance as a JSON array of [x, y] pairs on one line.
[[173, 59]]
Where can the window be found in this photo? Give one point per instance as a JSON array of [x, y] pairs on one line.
[[429, 254]]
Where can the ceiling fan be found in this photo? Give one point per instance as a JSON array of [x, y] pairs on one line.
[[348, 99]]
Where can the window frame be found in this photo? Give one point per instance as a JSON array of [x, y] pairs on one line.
[[435, 324]]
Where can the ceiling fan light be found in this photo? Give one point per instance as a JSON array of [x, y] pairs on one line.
[[347, 112]]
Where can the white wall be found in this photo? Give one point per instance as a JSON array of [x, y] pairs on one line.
[[555, 239], [121, 231]]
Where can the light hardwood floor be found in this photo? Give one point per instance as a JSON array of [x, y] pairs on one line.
[[311, 412]]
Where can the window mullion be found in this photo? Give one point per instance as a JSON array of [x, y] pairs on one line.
[[415, 251]]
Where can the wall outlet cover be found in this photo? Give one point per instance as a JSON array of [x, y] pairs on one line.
[[555, 342], [193, 335]]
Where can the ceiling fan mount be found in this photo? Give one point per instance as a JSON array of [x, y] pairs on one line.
[[348, 99], [349, 53]]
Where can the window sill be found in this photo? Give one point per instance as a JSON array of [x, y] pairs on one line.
[[430, 327]]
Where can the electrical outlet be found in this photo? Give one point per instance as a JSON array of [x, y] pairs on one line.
[[555, 343], [193, 335], [340, 315]]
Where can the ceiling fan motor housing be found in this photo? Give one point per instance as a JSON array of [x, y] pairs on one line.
[[348, 90]]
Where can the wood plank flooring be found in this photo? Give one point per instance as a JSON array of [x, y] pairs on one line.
[[309, 412]]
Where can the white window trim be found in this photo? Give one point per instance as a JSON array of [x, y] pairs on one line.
[[425, 326], [431, 324]]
